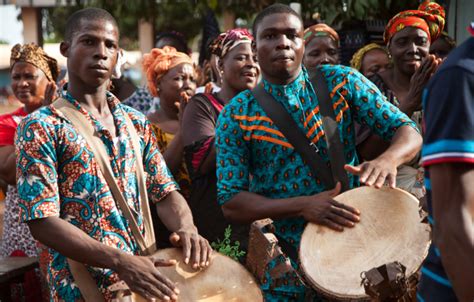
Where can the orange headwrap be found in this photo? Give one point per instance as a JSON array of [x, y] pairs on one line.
[[320, 30], [159, 61], [429, 17]]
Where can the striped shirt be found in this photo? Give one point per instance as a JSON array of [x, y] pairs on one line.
[[449, 138]]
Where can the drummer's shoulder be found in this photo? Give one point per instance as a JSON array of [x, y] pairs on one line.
[[340, 75], [240, 104]]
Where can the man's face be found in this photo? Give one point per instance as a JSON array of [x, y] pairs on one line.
[[280, 47], [92, 52]]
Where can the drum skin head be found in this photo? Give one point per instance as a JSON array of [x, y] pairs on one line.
[[389, 230], [224, 280]]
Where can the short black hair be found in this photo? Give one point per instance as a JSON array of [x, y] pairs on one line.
[[177, 40], [73, 23], [273, 9]]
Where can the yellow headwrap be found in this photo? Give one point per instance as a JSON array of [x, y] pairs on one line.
[[356, 61]]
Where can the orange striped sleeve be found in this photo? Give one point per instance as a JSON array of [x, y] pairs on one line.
[[269, 139], [315, 126], [310, 116], [341, 99], [339, 115], [252, 118], [318, 136], [262, 128], [333, 92]]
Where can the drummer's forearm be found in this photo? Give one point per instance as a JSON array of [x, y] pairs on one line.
[[175, 213], [453, 207], [73, 243], [246, 207], [405, 144]]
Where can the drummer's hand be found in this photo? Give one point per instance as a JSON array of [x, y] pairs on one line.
[[326, 211], [143, 277], [196, 249], [375, 172]]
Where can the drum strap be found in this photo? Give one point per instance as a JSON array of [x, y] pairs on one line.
[[145, 243], [307, 149]]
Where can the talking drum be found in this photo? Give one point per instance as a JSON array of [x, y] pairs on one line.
[[224, 280], [390, 230]]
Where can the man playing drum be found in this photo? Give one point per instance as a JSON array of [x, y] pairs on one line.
[[448, 155], [260, 175], [65, 198]]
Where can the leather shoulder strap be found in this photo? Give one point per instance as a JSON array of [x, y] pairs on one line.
[[85, 128], [285, 123], [331, 129]]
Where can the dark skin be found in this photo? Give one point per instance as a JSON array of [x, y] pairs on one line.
[[320, 51], [239, 72], [280, 51], [440, 48], [411, 71], [453, 209], [33, 89], [92, 53], [374, 61], [174, 89]]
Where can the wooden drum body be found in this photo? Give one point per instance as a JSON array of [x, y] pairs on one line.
[[390, 230], [224, 280]]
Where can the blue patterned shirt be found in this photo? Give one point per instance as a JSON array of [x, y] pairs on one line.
[[253, 155]]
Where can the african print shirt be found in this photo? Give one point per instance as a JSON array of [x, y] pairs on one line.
[[249, 144], [448, 105], [142, 101], [58, 176]]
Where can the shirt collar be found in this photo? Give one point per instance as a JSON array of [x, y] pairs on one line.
[[287, 90], [112, 101]]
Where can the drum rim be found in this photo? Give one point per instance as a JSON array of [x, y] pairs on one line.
[[365, 297], [219, 254]]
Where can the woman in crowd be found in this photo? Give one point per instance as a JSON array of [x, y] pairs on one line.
[[442, 46], [33, 76], [408, 36], [171, 77], [321, 45], [371, 59], [239, 71]]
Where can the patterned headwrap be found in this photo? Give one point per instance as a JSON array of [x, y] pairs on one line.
[[429, 17], [356, 61], [228, 40], [158, 62], [35, 55], [320, 30]]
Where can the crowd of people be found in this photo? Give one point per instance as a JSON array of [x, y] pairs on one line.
[[98, 174]]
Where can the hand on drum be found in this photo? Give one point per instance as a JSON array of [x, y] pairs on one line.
[[143, 277], [195, 248], [326, 211], [375, 172]]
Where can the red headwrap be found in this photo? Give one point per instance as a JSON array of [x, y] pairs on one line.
[[429, 17]]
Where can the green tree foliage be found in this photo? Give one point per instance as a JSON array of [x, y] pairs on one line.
[[185, 16]]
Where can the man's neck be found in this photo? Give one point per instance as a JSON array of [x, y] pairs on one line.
[[90, 97], [282, 81]]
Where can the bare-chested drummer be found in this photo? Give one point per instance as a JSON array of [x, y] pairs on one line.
[[65, 198], [282, 186]]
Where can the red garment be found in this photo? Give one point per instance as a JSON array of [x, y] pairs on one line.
[[8, 124], [429, 18]]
